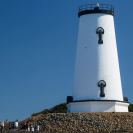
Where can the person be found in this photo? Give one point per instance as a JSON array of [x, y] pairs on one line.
[[16, 124], [28, 128], [3, 124], [32, 128], [38, 128]]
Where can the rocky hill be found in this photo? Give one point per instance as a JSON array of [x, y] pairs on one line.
[[57, 119], [61, 108]]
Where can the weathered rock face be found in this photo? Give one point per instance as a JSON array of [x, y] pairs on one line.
[[87, 122]]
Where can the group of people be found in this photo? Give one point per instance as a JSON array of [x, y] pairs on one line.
[[33, 128], [15, 125], [5, 125], [30, 126]]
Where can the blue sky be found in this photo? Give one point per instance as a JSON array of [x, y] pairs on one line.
[[37, 52]]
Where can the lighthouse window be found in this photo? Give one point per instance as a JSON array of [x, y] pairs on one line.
[[100, 32], [102, 85]]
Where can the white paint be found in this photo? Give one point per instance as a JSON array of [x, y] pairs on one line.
[[98, 106], [95, 62]]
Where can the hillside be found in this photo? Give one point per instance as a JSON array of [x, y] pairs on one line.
[[61, 108], [39, 116]]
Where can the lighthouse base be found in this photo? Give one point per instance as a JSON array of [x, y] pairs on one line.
[[98, 106]]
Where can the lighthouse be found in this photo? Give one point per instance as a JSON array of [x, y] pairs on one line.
[[97, 80]]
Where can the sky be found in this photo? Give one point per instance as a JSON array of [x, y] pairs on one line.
[[37, 52]]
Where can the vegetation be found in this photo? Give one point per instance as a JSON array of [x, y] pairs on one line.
[[61, 108], [130, 108]]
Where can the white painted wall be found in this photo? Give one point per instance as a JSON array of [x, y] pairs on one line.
[[98, 106], [95, 61]]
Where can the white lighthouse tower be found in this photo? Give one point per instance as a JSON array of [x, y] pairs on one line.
[[97, 85]]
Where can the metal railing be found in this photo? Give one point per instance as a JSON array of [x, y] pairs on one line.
[[96, 6]]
